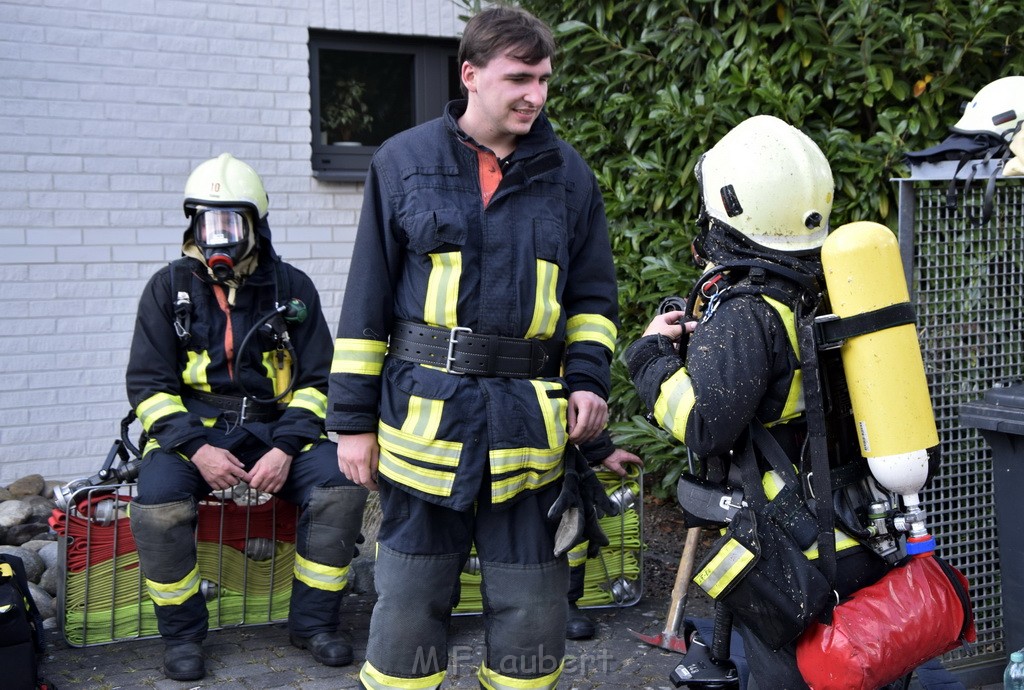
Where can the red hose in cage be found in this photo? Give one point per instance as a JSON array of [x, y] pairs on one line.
[[94, 535], [228, 523]]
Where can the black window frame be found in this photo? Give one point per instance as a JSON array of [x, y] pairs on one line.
[[432, 59]]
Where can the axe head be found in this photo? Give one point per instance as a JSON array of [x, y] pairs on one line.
[[665, 640]]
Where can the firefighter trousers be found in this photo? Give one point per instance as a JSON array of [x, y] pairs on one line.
[[422, 548]]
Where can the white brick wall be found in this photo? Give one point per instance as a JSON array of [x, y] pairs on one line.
[[107, 105]]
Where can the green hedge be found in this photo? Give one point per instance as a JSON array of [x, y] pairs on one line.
[[642, 88]]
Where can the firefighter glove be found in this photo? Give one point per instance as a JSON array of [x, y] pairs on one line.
[[579, 507]]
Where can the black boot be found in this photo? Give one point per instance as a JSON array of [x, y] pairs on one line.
[[184, 661], [577, 625], [328, 648]]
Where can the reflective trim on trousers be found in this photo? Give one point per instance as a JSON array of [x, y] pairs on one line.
[[174, 593], [319, 576], [492, 680], [375, 680]]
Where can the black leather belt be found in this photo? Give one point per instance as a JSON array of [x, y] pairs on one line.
[[247, 409], [461, 351]]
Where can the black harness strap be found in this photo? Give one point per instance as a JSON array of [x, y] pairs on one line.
[[182, 274], [814, 413], [831, 330], [181, 293]]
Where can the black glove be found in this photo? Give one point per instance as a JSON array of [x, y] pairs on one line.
[[579, 507]]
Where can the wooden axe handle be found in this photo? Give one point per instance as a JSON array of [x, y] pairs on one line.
[[677, 606]]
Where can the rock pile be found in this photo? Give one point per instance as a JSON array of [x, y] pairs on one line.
[[25, 507]]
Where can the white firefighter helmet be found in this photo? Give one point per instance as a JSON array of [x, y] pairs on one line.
[[224, 201], [997, 108], [769, 182], [225, 181]]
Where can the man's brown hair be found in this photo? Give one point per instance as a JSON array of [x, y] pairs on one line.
[[500, 29]]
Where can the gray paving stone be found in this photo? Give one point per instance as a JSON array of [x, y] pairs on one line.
[[261, 658]]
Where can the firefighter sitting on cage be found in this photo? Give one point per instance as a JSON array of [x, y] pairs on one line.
[[228, 375]]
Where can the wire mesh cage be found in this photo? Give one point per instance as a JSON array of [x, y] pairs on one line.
[[245, 544], [962, 242], [615, 577]]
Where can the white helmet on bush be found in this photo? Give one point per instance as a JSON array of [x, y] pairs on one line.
[[997, 108], [769, 182]]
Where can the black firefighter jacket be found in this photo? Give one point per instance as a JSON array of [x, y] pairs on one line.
[[534, 262], [162, 370]]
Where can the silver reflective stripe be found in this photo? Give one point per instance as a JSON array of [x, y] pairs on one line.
[[726, 566]]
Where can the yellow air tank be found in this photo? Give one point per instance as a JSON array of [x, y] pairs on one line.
[[884, 369]]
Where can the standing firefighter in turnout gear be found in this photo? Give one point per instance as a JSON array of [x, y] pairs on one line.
[[228, 375], [766, 195], [475, 343]]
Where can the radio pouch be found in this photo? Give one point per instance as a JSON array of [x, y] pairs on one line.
[[757, 572]]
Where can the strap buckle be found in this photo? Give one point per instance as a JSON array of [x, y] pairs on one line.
[[453, 340], [822, 337]]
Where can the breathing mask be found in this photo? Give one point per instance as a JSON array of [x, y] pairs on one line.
[[224, 235]]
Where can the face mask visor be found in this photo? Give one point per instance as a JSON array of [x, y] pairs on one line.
[[222, 234], [220, 228]]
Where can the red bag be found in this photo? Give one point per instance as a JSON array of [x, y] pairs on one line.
[[919, 610]]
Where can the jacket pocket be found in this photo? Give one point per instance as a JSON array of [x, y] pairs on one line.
[[414, 426], [422, 381], [549, 242], [429, 231]]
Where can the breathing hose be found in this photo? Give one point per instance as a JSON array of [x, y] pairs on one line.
[[292, 311]]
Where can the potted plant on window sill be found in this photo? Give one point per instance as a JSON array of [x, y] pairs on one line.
[[344, 113]]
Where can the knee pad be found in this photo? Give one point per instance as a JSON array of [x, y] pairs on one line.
[[526, 609], [164, 535], [409, 627], [326, 539], [330, 524]]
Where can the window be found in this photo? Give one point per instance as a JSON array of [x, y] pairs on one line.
[[367, 87]]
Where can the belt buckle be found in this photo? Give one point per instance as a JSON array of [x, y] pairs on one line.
[[452, 340]]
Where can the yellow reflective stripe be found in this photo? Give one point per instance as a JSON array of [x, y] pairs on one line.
[[174, 593], [358, 356], [578, 554], [795, 405], [319, 576], [725, 567], [375, 680], [492, 680], [442, 299], [552, 410], [510, 487], [430, 450], [674, 403], [423, 418], [511, 459], [546, 309], [310, 399], [277, 366], [773, 483], [157, 407], [434, 482], [194, 374], [591, 327], [843, 541]]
